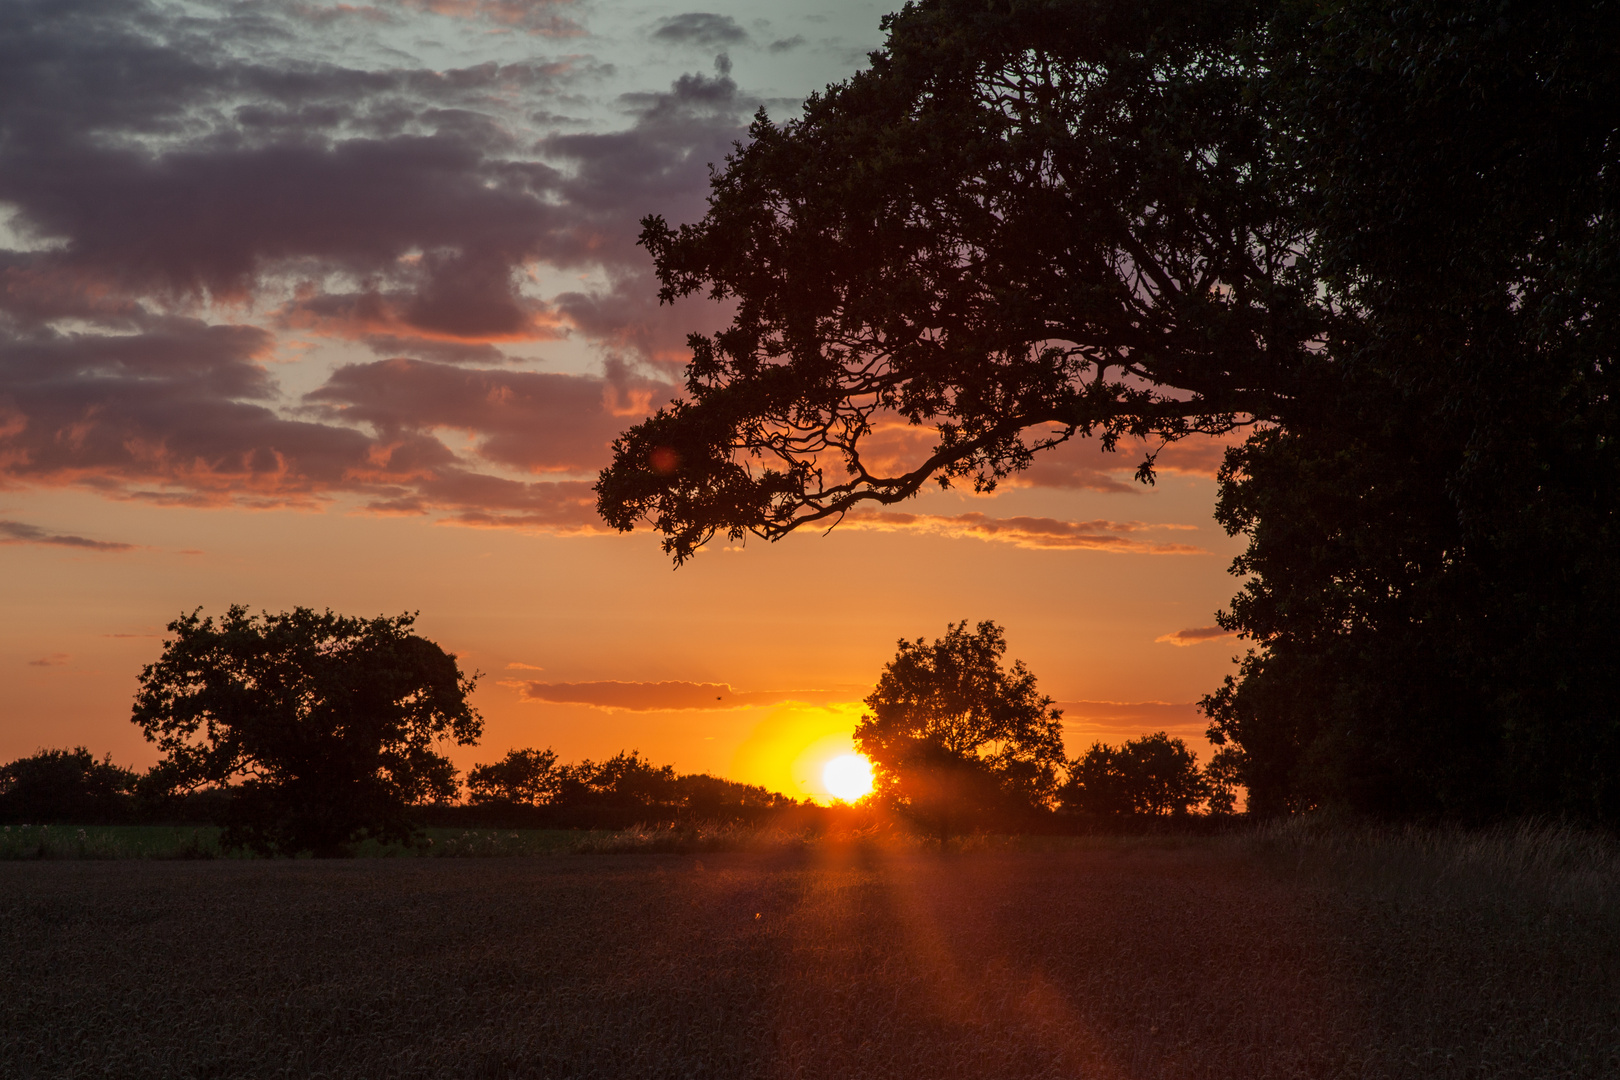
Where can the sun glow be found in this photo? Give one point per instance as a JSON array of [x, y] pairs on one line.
[[848, 777]]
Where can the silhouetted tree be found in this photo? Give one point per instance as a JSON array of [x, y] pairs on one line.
[[1383, 237], [526, 777], [954, 737], [1223, 776], [624, 780], [324, 725], [65, 786], [1155, 774]]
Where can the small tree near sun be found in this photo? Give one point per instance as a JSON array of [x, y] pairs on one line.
[[323, 727], [955, 738], [1153, 775], [526, 777]]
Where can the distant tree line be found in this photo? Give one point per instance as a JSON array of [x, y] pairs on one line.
[[307, 732]]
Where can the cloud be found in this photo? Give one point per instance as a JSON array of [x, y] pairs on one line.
[[671, 696], [700, 28], [533, 16], [1027, 532], [16, 532], [782, 45], [195, 198], [1194, 636], [535, 421], [53, 660]]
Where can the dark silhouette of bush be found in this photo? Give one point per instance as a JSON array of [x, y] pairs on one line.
[[1154, 775], [522, 778], [323, 727], [618, 791], [68, 786]]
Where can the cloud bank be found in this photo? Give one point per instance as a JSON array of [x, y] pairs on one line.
[[672, 696]]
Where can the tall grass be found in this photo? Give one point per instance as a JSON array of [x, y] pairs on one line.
[[24, 842]]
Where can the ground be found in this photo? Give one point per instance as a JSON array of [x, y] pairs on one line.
[[1147, 959]]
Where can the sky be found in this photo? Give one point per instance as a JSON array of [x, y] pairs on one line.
[[340, 306]]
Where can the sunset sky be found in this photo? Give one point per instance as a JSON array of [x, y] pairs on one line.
[[339, 305]]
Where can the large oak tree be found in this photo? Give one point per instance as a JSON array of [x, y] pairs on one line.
[[1378, 239], [324, 727]]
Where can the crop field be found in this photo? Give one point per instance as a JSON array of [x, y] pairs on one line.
[[1274, 955]]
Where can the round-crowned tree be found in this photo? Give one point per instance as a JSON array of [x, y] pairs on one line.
[[955, 738], [324, 727]]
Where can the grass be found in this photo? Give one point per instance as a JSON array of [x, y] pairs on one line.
[[1297, 951]]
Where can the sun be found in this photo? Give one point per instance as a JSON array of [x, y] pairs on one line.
[[847, 777]]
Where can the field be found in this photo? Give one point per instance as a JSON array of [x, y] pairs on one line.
[[1283, 954]]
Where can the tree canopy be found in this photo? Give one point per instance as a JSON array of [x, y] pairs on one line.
[[325, 725], [953, 735], [1027, 222], [65, 785], [1376, 240], [1154, 775]]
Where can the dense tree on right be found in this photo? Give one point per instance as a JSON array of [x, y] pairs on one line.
[[1433, 557], [1373, 243]]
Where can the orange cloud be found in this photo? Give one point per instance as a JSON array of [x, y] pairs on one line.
[[1194, 636], [55, 659], [670, 696], [1028, 532]]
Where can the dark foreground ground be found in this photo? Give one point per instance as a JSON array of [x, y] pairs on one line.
[[1204, 960]]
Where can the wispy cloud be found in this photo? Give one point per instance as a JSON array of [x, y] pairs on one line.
[[55, 659], [673, 696], [1194, 636], [17, 532], [1029, 532]]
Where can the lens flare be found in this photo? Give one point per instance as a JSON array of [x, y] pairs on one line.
[[848, 777]]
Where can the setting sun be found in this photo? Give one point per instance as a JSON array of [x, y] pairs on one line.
[[848, 777]]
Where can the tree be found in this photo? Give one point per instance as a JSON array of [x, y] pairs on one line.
[[626, 780], [1027, 222], [1153, 775], [1434, 555], [955, 737], [526, 777], [65, 786], [1380, 238], [323, 725]]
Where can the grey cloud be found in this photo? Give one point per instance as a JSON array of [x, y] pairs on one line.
[[701, 28], [536, 421], [166, 159], [782, 45], [17, 532]]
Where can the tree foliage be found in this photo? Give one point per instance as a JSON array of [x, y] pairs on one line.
[[1153, 775], [324, 725], [954, 737], [65, 786], [626, 781], [1379, 240], [1027, 222], [524, 777]]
